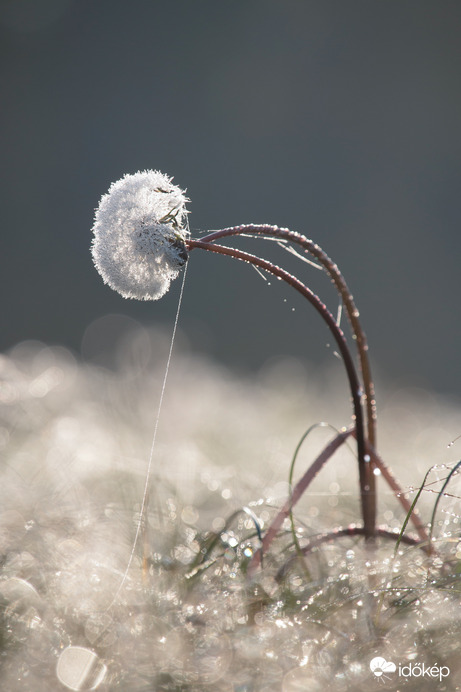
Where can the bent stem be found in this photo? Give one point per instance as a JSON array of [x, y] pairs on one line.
[[267, 230], [349, 531], [332, 269], [297, 493], [366, 476], [409, 508], [453, 471], [308, 477], [290, 485]]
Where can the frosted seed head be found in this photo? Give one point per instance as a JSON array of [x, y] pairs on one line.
[[139, 234]]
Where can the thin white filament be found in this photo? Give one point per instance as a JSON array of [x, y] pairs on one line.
[[339, 314], [292, 251], [152, 448], [283, 243], [261, 273], [453, 441]]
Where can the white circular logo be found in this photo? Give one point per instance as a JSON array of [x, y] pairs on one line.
[[379, 666]]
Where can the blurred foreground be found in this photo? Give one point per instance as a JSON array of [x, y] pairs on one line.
[[75, 442]]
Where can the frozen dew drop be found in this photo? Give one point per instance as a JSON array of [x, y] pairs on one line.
[[189, 515], [201, 657], [18, 594], [229, 555], [218, 524], [300, 680], [80, 669], [100, 630]]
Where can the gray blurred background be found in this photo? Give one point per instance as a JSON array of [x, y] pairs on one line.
[[338, 119]]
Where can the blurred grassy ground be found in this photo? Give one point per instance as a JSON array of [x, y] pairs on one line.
[[75, 445]]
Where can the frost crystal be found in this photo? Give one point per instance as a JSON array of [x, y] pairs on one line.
[[139, 231]]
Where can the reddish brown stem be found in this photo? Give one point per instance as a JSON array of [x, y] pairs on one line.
[[399, 493], [297, 492], [266, 230], [341, 533], [366, 478], [309, 476]]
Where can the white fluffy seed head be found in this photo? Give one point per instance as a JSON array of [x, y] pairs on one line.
[[140, 229]]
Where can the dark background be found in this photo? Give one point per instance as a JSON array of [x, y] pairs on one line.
[[338, 119]]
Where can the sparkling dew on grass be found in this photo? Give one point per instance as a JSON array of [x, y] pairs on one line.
[[197, 629], [141, 242]]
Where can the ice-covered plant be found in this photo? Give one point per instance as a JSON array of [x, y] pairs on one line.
[[141, 241], [140, 229], [81, 609]]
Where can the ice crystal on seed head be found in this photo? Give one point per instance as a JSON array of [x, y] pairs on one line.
[[140, 229]]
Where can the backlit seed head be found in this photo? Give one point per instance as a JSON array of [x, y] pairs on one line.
[[139, 234]]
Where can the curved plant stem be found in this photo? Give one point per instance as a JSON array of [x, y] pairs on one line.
[[453, 471], [308, 477], [267, 230], [213, 539], [367, 479], [297, 492], [341, 533], [409, 508], [368, 503], [290, 484]]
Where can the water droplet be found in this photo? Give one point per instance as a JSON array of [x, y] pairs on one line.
[[80, 669], [100, 630], [202, 658], [18, 593], [189, 515], [229, 555], [300, 680]]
